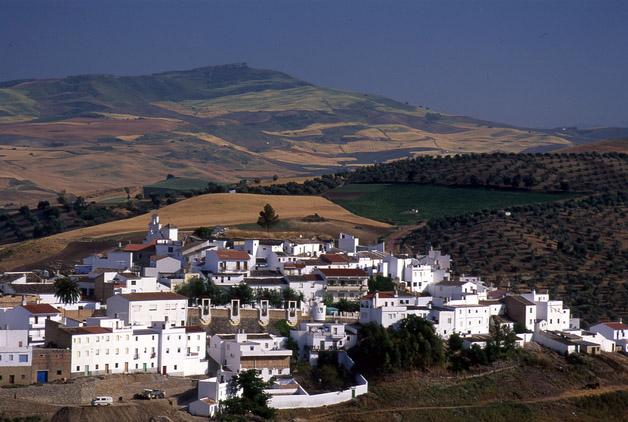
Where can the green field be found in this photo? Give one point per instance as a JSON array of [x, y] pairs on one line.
[[395, 203]]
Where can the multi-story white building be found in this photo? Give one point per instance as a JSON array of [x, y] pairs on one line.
[[141, 309], [109, 346], [228, 262], [14, 348], [242, 351], [388, 308], [344, 283], [550, 311], [31, 317], [313, 337]]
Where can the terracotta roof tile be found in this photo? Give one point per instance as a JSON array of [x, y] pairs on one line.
[[343, 272], [41, 308], [232, 255], [153, 296]]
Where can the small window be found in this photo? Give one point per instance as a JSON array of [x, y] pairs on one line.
[[59, 372]]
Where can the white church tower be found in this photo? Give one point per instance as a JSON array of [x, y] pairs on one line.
[[157, 232]]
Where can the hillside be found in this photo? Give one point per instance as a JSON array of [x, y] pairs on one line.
[[204, 210], [578, 249], [540, 386], [224, 123], [584, 172]]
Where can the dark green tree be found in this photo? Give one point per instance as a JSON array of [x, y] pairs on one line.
[[253, 400], [381, 283], [268, 217]]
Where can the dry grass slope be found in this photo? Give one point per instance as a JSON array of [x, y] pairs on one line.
[[205, 210]]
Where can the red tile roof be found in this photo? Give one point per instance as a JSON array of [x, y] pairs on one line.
[[384, 295], [194, 329], [616, 325], [153, 296], [92, 330], [335, 258], [41, 308], [232, 255], [343, 272]]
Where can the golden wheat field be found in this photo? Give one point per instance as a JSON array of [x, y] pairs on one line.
[[205, 210]]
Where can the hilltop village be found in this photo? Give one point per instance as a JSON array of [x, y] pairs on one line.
[[180, 306]]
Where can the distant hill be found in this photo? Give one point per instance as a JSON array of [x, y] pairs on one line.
[[618, 145], [223, 123]]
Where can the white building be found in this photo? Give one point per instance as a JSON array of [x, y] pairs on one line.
[[551, 311], [348, 243], [141, 309], [211, 392], [14, 348], [344, 283], [242, 351], [313, 337], [157, 232], [303, 247], [388, 308], [615, 331], [31, 317], [114, 260], [228, 262], [109, 346]]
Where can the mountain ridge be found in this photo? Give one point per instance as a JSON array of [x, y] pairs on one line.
[[223, 123]]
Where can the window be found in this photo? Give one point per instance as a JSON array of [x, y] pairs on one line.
[[23, 358], [175, 367], [96, 366], [59, 372], [116, 365], [78, 368]]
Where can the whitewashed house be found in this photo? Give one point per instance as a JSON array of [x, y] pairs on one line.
[[110, 346], [141, 309], [615, 331], [228, 262], [388, 308], [313, 337], [344, 283], [551, 311], [262, 352], [15, 349], [31, 317]]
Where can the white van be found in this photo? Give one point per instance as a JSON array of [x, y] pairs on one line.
[[102, 401]]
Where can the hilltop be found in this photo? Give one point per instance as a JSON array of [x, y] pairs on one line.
[[91, 133]]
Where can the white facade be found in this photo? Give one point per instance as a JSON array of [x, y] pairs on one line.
[[263, 352], [107, 345], [115, 260], [388, 308], [348, 243], [550, 311], [30, 317], [615, 331], [141, 309], [313, 337], [14, 348], [227, 261]]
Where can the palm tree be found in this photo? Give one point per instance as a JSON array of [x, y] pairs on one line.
[[67, 291]]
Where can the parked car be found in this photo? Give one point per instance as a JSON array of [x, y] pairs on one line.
[[150, 394], [102, 401]]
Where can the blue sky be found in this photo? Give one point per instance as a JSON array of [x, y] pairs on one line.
[[529, 63]]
